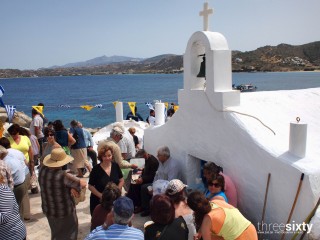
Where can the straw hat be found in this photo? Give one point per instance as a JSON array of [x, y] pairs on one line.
[[57, 158]]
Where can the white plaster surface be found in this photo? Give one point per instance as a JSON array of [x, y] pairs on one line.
[[247, 134]]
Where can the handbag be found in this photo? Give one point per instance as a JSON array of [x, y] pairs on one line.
[[80, 196], [34, 184]]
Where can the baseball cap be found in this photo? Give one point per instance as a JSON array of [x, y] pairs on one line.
[[175, 186], [123, 207]]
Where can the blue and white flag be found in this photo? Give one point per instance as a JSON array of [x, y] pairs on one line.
[[1, 103], [64, 106], [149, 105], [10, 111], [1, 91], [98, 106]]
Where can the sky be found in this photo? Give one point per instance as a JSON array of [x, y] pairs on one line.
[[44, 33]]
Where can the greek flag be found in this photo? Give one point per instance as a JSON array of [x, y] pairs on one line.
[[1, 103], [64, 106], [1, 91], [149, 105], [10, 111], [98, 106]]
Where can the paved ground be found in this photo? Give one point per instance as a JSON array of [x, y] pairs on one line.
[[38, 227]]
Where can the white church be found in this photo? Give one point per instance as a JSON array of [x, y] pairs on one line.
[[253, 136], [267, 142]]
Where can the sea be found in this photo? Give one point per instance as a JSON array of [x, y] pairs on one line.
[[63, 96]]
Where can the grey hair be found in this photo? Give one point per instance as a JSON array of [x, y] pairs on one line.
[[164, 151], [121, 220], [114, 133]]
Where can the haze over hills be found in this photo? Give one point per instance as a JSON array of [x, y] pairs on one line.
[[98, 61], [283, 57]]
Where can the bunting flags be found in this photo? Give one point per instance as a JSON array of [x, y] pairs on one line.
[[39, 109], [149, 105], [132, 106], [98, 106], [175, 108], [115, 103], [87, 107], [64, 106], [10, 111], [1, 91]]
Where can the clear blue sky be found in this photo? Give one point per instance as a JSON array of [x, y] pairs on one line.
[[43, 33]]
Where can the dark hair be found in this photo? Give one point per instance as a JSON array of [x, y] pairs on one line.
[[162, 209], [151, 110], [200, 205], [14, 129], [110, 193], [220, 179], [4, 142], [102, 151], [212, 167], [47, 130], [24, 132], [58, 125], [34, 112], [74, 123], [178, 197], [41, 104]]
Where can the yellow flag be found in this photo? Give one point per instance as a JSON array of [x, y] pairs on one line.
[[175, 108], [87, 107], [166, 104], [39, 109], [132, 106], [115, 103]]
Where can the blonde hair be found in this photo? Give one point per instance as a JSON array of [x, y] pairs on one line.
[[132, 130]]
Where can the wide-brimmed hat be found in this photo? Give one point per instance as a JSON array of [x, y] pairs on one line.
[[175, 186], [57, 158]]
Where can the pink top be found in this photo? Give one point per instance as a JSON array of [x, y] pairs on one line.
[[230, 190]]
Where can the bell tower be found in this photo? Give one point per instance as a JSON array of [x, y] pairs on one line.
[[208, 68]]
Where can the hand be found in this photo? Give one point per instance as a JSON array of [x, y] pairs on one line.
[[139, 180], [74, 193], [133, 166]]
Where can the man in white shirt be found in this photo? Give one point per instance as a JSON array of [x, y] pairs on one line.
[[168, 169], [36, 127]]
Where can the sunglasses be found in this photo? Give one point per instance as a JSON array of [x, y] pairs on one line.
[[50, 134], [214, 184]]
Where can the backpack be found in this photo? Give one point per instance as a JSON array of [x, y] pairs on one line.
[[76, 137]]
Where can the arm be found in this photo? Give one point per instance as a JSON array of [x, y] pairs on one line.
[[95, 191], [206, 230], [37, 131], [71, 140], [121, 182], [31, 162]]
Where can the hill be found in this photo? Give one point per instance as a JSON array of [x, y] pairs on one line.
[[283, 57]]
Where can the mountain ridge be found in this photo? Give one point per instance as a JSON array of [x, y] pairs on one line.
[[283, 57]]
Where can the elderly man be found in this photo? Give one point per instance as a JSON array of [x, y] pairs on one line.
[[115, 136], [126, 143], [21, 176], [89, 144], [147, 176], [168, 169], [121, 215]]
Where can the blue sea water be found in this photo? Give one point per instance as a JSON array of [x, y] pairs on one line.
[[92, 90]]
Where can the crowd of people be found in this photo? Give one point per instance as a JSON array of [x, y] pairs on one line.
[[62, 156]]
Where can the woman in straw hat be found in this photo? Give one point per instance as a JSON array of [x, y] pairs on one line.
[[57, 202]]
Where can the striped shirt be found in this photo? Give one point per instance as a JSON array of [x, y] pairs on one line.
[[6, 173], [116, 232], [11, 225], [55, 187]]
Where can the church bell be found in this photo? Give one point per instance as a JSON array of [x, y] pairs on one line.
[[202, 72]]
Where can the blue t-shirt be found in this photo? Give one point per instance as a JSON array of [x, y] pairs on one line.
[[77, 134], [222, 194], [116, 232]]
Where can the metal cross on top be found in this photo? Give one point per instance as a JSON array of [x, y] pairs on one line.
[[205, 13]]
